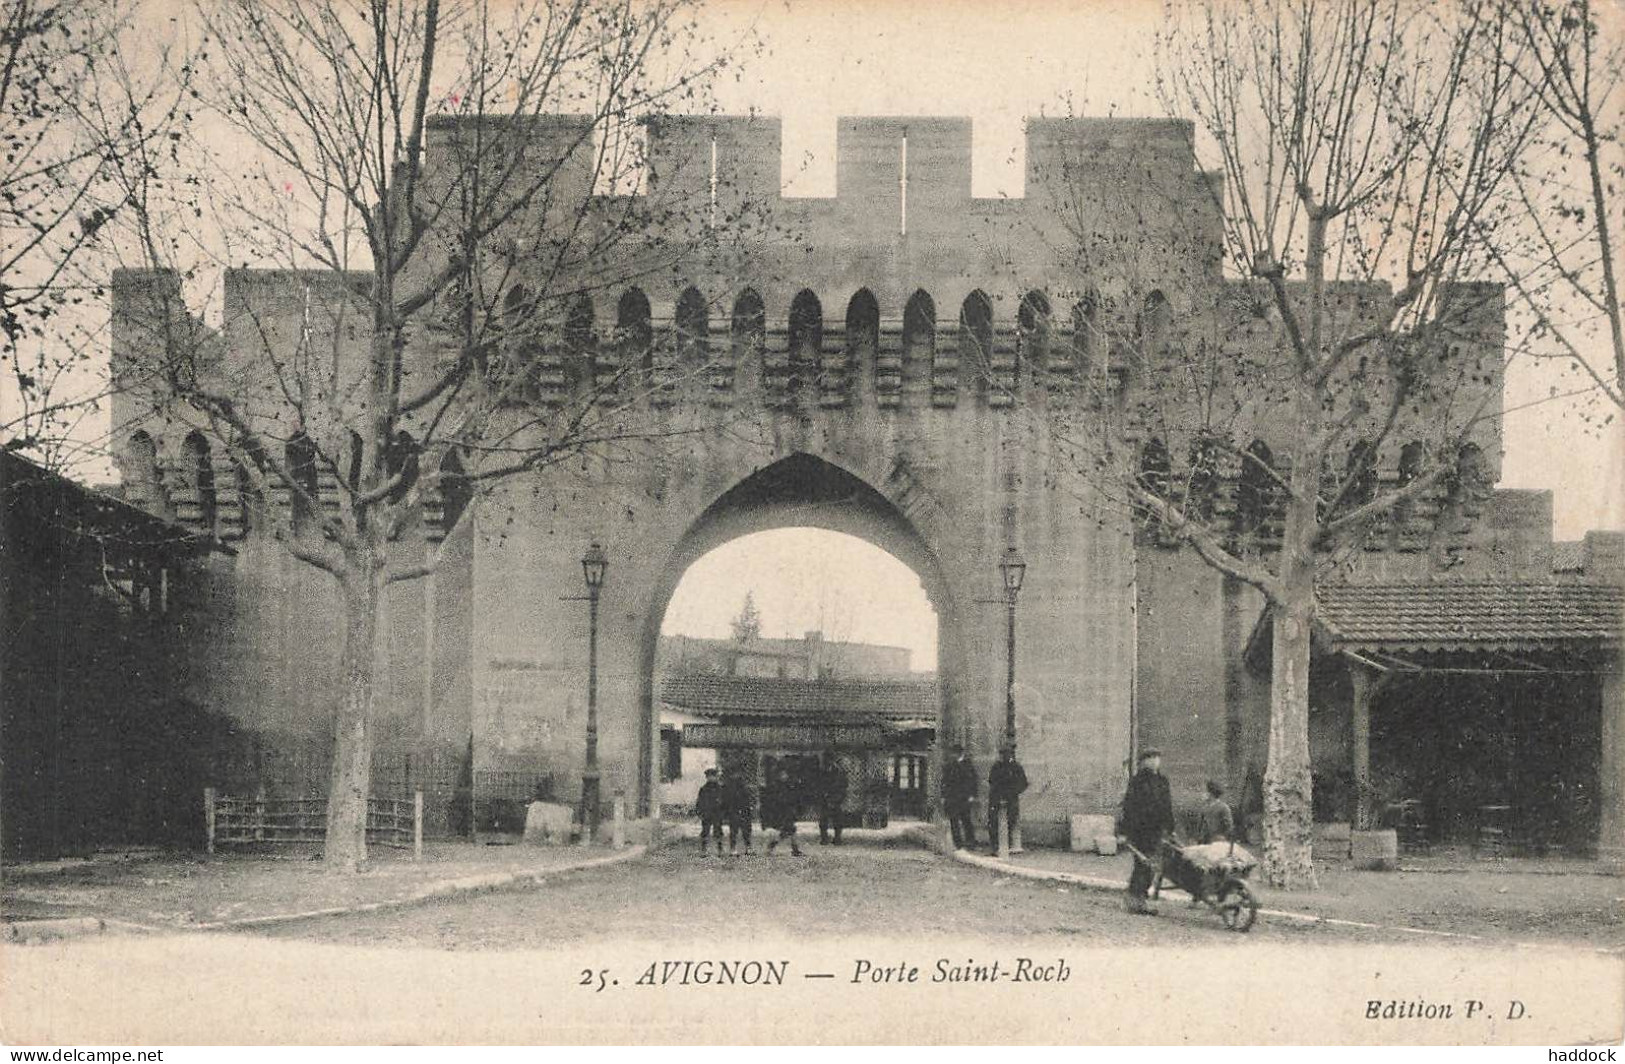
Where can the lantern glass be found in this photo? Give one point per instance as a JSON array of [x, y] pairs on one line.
[[593, 565], [1014, 568]]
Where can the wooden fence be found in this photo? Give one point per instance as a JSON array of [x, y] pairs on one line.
[[262, 821]]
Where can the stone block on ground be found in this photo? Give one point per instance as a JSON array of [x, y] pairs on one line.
[[547, 823], [1106, 845], [1331, 841], [1376, 851], [1087, 828]]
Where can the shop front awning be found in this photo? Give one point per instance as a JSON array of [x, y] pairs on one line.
[[777, 736]]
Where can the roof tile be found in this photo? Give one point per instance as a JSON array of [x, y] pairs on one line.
[[769, 697], [1484, 614]]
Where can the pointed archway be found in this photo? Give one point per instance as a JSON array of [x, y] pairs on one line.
[[800, 490]]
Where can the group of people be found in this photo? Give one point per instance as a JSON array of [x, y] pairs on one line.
[[726, 801], [1148, 817], [726, 798], [1147, 813], [1006, 781]]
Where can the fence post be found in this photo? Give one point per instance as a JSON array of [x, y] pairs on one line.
[[618, 829], [208, 817], [417, 825], [259, 813]]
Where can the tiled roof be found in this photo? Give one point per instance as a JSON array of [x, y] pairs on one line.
[[1569, 556], [70, 509], [766, 697], [1451, 615]]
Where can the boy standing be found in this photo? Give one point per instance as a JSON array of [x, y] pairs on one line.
[[780, 804], [1217, 823]]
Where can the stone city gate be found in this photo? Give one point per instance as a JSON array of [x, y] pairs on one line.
[[942, 508], [884, 362], [870, 375], [881, 362]]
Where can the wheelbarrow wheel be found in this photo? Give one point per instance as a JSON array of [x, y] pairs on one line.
[[1237, 906]]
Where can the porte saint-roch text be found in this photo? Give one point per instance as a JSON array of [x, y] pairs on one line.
[[969, 970]]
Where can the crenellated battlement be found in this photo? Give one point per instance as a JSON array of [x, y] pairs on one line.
[[744, 152], [901, 305], [879, 160]]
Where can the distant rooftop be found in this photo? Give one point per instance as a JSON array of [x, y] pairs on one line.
[[765, 697]]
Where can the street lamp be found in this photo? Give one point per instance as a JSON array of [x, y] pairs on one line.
[[1014, 569], [593, 565]]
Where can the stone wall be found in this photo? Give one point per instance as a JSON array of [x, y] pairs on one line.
[[866, 417]]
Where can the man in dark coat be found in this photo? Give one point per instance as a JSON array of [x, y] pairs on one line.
[[959, 786], [1148, 815], [1005, 782], [709, 806], [780, 803], [831, 798], [737, 806]]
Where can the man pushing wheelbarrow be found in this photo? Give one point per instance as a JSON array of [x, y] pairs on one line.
[[1148, 815], [1213, 873]]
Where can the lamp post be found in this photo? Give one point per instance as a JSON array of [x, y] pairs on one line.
[[1014, 568], [593, 565]]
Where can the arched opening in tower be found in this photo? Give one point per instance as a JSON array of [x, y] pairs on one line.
[[795, 647]]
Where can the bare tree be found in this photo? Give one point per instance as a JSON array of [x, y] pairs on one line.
[[75, 111], [1561, 261], [427, 175], [1316, 296]]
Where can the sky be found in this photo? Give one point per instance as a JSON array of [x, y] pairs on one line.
[[803, 580], [996, 62]]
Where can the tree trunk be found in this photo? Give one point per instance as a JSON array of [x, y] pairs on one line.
[[1288, 812], [351, 782], [1288, 786]]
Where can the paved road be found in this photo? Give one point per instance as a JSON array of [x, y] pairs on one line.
[[865, 887], [865, 943]]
